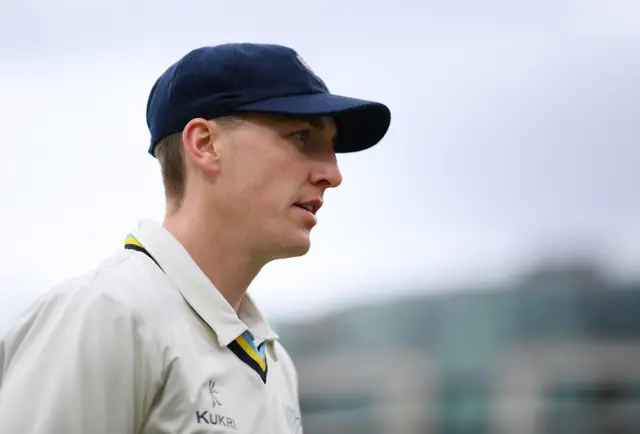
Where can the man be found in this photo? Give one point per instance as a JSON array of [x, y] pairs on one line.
[[163, 337]]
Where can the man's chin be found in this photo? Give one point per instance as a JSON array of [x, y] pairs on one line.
[[297, 251], [295, 247]]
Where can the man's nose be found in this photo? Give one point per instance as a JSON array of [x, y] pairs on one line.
[[327, 172]]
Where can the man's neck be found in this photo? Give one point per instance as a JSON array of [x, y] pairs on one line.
[[222, 259]]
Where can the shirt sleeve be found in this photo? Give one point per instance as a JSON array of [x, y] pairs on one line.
[[78, 367]]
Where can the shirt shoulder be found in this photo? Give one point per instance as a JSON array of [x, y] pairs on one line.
[[130, 279], [83, 344], [119, 289]]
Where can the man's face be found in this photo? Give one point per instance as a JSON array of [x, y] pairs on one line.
[[270, 169]]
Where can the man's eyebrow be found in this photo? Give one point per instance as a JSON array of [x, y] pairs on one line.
[[314, 121]]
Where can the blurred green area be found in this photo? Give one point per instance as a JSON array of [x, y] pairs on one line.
[[555, 352]]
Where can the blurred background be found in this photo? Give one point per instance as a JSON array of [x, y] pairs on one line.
[[477, 272]]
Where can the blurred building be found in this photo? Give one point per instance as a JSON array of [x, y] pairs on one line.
[[556, 353]]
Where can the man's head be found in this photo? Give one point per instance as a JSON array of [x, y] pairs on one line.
[[247, 136], [270, 200]]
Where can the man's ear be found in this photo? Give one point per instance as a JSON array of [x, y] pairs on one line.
[[200, 138]]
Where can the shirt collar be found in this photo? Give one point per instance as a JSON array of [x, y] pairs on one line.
[[198, 290]]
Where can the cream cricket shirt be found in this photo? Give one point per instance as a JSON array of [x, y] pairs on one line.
[[143, 347]]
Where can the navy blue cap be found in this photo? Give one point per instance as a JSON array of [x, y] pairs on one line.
[[227, 79]]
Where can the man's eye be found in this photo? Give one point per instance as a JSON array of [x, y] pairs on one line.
[[303, 135]]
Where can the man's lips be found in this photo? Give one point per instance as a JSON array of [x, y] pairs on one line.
[[311, 205]]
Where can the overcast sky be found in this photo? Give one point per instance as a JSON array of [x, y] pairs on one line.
[[515, 127]]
